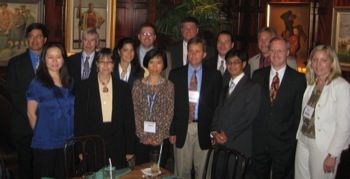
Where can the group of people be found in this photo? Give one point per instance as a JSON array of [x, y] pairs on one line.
[[182, 100]]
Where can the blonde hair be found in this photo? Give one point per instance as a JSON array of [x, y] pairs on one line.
[[332, 57]]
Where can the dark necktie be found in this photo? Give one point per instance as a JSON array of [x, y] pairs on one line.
[[221, 67], [275, 85], [192, 105], [86, 68], [264, 62]]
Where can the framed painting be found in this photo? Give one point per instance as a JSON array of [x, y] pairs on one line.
[[98, 14], [15, 17], [292, 21], [341, 35]]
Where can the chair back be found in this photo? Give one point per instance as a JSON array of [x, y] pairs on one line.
[[231, 163], [84, 155]]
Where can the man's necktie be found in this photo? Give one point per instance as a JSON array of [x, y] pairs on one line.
[[221, 67], [192, 87], [86, 69], [231, 87], [275, 85]]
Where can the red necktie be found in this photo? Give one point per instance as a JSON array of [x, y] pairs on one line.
[[192, 105], [275, 85]]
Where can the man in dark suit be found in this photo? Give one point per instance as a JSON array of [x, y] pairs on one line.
[[83, 64], [275, 128], [20, 72], [196, 96], [239, 105], [189, 29]]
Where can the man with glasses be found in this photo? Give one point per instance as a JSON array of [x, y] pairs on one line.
[[275, 127], [20, 72], [83, 64]]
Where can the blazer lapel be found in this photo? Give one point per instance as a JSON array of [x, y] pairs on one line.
[[237, 89], [284, 84], [95, 93], [266, 86], [28, 63]]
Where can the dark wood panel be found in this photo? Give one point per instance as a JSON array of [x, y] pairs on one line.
[[341, 3], [54, 9]]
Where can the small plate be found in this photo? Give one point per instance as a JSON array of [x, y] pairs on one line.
[[148, 172]]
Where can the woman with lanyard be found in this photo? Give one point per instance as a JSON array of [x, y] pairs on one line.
[[153, 98], [127, 68]]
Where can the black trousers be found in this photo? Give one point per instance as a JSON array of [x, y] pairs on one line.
[[48, 163], [24, 156], [277, 162]]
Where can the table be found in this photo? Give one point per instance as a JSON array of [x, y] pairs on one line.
[[136, 172], [133, 174]]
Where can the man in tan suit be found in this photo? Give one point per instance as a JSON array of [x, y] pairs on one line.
[[262, 59]]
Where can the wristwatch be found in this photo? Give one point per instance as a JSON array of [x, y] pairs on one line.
[[212, 134]]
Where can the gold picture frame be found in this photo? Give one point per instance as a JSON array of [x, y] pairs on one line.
[[82, 14], [16, 16], [341, 35], [293, 21]]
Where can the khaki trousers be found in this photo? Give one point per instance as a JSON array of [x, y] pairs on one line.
[[189, 154]]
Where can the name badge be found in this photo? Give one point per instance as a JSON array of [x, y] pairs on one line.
[[193, 96], [308, 111], [149, 127]]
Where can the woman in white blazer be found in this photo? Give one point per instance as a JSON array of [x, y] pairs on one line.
[[324, 128]]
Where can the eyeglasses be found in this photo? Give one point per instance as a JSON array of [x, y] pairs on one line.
[[147, 34], [106, 62], [233, 62]]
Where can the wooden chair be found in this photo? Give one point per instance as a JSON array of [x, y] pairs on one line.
[[83, 155], [236, 171]]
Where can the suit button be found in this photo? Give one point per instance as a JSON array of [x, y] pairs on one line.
[[319, 130]]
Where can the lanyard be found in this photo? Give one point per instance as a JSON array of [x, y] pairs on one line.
[[151, 99]]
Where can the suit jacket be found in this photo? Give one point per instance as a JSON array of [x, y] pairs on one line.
[[88, 118], [176, 53], [134, 75], [20, 73], [235, 114], [210, 90], [74, 67], [332, 116], [276, 125], [254, 63]]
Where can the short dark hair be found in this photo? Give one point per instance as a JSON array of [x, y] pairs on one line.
[[197, 40], [148, 24], [241, 54], [104, 52], [155, 52], [225, 32], [38, 26], [190, 19], [43, 73]]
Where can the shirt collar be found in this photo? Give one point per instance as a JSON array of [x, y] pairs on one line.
[[237, 78], [191, 68]]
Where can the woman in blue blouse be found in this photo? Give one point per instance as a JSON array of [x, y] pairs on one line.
[[50, 112]]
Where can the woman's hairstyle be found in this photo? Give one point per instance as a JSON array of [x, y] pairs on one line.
[[103, 53], [135, 61], [43, 73], [155, 52], [242, 55], [332, 57]]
